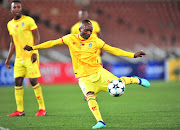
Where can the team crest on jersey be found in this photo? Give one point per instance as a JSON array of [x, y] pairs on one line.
[[16, 26], [23, 24], [81, 44], [90, 45]]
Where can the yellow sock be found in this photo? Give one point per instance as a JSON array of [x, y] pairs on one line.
[[19, 98], [129, 80], [93, 106], [39, 96]]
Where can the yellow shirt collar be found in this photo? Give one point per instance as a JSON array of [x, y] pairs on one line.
[[81, 38], [19, 19]]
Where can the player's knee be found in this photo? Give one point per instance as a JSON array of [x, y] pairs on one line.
[[90, 96], [18, 81], [33, 81]]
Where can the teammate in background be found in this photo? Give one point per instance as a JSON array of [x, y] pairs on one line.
[[93, 78], [23, 30], [82, 15]]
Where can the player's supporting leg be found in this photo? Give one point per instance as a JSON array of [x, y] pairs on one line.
[[93, 106], [135, 80], [19, 97], [40, 99]]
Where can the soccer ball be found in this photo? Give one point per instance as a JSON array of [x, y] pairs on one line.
[[116, 88]]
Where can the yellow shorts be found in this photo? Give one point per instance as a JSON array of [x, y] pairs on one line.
[[96, 82], [27, 69]]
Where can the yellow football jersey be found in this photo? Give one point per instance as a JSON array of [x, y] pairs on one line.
[[21, 32], [83, 52], [96, 28]]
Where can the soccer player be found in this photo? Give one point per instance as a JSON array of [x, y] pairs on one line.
[[23, 31], [93, 78], [82, 15]]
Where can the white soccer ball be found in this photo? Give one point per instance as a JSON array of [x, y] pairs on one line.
[[116, 88]]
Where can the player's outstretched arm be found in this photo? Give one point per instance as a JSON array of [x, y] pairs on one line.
[[119, 52], [139, 54], [44, 45]]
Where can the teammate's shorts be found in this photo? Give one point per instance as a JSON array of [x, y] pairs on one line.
[[96, 82], [27, 69]]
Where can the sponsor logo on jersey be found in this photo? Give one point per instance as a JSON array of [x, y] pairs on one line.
[[81, 44]]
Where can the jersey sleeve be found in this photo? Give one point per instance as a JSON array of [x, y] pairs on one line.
[[48, 44], [100, 43], [65, 39], [32, 24], [117, 51]]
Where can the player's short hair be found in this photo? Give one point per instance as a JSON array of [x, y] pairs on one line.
[[16, 1], [86, 21]]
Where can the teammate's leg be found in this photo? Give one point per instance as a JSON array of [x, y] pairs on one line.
[[39, 96], [19, 97]]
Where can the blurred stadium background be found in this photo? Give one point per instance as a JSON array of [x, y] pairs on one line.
[[152, 26]]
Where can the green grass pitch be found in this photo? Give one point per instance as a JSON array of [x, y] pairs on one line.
[[157, 107]]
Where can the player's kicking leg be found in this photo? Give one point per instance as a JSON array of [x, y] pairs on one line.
[[143, 82], [136, 80]]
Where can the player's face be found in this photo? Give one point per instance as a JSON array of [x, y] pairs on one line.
[[86, 30], [16, 9]]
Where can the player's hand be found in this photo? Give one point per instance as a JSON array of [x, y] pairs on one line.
[[7, 62], [28, 48], [139, 54], [33, 57]]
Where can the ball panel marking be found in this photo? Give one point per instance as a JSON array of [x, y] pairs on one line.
[[116, 88]]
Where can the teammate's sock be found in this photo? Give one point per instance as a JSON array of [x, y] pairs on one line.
[[93, 106], [19, 98], [39, 96], [129, 80]]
